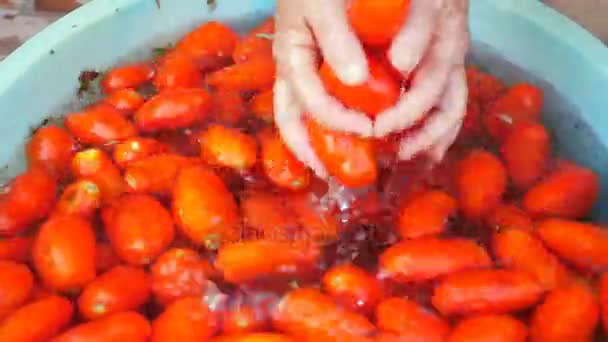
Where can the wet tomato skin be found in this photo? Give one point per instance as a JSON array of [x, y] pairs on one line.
[[97, 166], [126, 100], [229, 107], [179, 273], [155, 174], [82, 197], [100, 124], [138, 227], [365, 15], [262, 105], [16, 283], [64, 252], [33, 321], [16, 249], [256, 44], [177, 69], [603, 299], [122, 326], [136, 149], [245, 319], [507, 216], [353, 287], [128, 76], [410, 321], [228, 147], [426, 214], [252, 75], [51, 148], [253, 337], [122, 288], [497, 328], [281, 166], [526, 152], [209, 40], [187, 319]]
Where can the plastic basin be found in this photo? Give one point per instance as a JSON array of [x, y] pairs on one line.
[[517, 39]]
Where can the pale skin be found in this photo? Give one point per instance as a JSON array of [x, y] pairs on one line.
[[433, 41]]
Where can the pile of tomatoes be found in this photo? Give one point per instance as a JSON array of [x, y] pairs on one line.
[[171, 210]]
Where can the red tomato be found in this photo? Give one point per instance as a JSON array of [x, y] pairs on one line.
[[509, 216], [100, 124], [570, 193], [136, 149], [172, 109], [380, 92], [526, 153], [37, 321], [281, 166], [481, 181], [229, 107], [309, 315], [567, 314], [522, 103], [122, 326], [245, 319], [268, 215], [603, 297], [82, 197], [484, 87], [155, 174], [256, 44], [105, 257], [262, 105], [210, 40], [228, 147], [486, 292], [179, 273], [96, 166], [186, 320], [128, 76], [204, 209], [28, 198], [255, 337], [177, 69], [410, 321], [351, 159], [254, 74], [64, 253], [582, 244], [122, 288], [495, 328], [319, 226], [426, 214], [16, 283], [51, 148], [429, 258], [16, 248], [377, 22], [246, 261], [126, 100], [520, 250], [138, 227], [352, 287]]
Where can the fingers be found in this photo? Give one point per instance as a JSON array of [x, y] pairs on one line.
[[437, 152], [340, 47], [288, 118], [412, 42], [447, 50], [441, 124]]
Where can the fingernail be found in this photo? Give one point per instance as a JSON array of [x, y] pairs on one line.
[[354, 74]]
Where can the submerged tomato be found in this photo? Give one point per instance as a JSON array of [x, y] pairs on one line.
[[228, 147], [128, 76], [51, 148], [100, 124], [281, 166]]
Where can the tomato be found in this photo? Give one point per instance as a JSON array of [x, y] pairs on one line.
[[126, 100], [484, 87], [51, 148], [209, 40], [187, 319], [246, 261], [16, 248], [100, 124], [96, 166], [122, 288], [307, 314], [83, 197], [429, 258], [245, 319], [177, 69], [426, 214], [410, 321], [172, 109], [122, 326], [128, 76], [228, 147], [568, 193], [268, 215], [262, 105], [581, 244], [509, 216], [521, 103], [349, 158], [28, 198], [136, 149], [380, 92], [254, 74], [179, 273], [16, 283], [281, 166], [156, 173], [105, 257], [319, 226], [526, 153], [481, 180], [37, 321], [64, 253], [520, 250], [567, 314], [496, 328], [229, 107], [486, 292], [366, 15], [352, 287], [256, 44], [138, 227], [204, 209], [603, 298], [255, 337]]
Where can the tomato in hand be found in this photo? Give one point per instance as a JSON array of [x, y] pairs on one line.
[[377, 22], [51, 148], [281, 166]]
